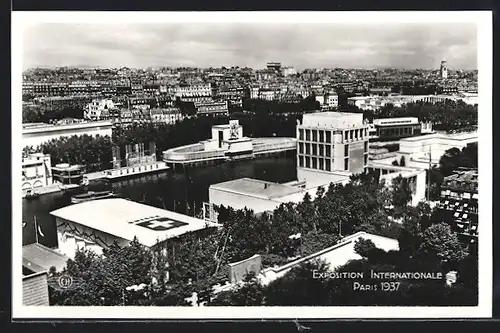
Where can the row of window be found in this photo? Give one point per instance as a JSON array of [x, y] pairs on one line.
[[326, 136], [325, 164], [323, 150], [315, 163], [398, 131], [315, 149]]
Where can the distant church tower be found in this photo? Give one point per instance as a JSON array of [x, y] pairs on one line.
[[444, 70]]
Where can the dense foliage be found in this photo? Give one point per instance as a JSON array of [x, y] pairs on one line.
[[94, 152], [445, 116], [452, 160], [41, 114], [195, 263]]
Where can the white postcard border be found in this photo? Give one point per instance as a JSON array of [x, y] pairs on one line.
[[483, 19]]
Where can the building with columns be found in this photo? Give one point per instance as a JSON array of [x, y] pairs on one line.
[[332, 142]]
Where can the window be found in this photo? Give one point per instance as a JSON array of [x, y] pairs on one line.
[[356, 134], [366, 159], [315, 136], [321, 164], [346, 133], [308, 135], [350, 134], [328, 150], [314, 163], [346, 164], [328, 165], [308, 149], [321, 150], [321, 136], [366, 146], [328, 136], [314, 149], [301, 148], [308, 162], [301, 161], [301, 134], [346, 150]]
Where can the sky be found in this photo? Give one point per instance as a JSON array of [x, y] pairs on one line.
[[322, 45]]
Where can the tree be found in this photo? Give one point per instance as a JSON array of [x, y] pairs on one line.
[[250, 293], [307, 213], [440, 242], [363, 247], [401, 192], [302, 286]]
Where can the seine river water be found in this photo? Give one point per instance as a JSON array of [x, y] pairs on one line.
[[164, 190]]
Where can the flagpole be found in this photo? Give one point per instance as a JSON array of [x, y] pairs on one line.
[[36, 230]]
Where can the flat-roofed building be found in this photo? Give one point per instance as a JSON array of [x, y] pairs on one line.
[[395, 128], [35, 135], [332, 142], [96, 225], [416, 178], [263, 196], [422, 151]]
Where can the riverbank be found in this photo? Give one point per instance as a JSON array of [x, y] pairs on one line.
[[110, 175]]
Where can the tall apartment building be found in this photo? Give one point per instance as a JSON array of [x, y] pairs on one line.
[[459, 203], [199, 90], [93, 110], [332, 142]]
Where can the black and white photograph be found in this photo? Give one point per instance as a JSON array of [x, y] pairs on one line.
[[252, 164]]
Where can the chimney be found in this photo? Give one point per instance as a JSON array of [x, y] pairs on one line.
[[266, 185]]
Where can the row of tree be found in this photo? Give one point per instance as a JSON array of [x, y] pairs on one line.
[[93, 152], [259, 106], [39, 114], [445, 116]]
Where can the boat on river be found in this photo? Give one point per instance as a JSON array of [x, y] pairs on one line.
[[92, 196]]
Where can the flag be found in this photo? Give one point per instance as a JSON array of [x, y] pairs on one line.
[[40, 231]]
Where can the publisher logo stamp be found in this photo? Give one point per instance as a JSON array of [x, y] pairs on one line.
[[65, 281]]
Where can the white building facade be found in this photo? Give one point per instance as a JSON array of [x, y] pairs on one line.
[[36, 172], [332, 142], [93, 110]]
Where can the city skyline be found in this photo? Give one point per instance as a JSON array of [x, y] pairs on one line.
[[203, 45]]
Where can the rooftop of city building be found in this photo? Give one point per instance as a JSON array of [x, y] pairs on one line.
[[256, 188], [128, 219]]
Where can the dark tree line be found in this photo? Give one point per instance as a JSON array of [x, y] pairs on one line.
[[259, 106], [37, 114], [93, 152]]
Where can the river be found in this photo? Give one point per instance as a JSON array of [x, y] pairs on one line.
[[163, 190]]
